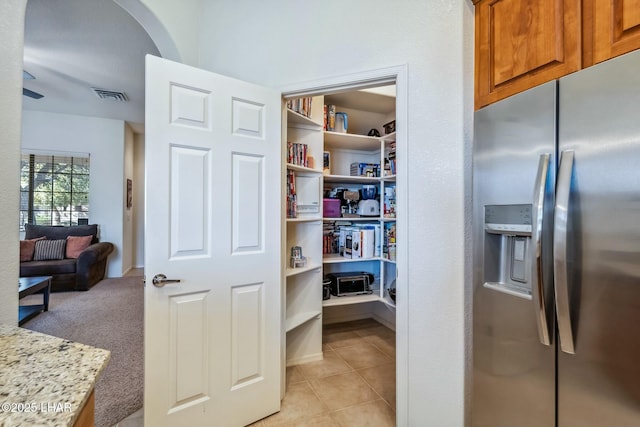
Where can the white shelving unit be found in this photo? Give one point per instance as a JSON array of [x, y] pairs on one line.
[[364, 113], [303, 285], [344, 150], [356, 299]]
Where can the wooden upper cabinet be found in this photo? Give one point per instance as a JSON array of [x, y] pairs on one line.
[[524, 43], [615, 28]]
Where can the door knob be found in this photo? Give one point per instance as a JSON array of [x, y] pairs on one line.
[[159, 280]]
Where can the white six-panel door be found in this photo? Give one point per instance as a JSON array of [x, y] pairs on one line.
[[212, 162]]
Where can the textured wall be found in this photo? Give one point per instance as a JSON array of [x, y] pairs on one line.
[[11, 47], [138, 204], [173, 26], [127, 214]]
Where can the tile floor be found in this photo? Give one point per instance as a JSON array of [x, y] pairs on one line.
[[355, 384]]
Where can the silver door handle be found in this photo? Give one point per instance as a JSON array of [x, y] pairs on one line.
[[159, 280], [560, 272], [537, 272]]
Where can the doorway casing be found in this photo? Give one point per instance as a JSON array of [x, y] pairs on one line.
[[362, 80]]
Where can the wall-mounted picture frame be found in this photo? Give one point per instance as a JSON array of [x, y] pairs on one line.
[[129, 193]]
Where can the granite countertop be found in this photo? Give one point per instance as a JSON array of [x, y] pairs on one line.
[[44, 380]]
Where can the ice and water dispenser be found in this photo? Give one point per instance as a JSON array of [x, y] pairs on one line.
[[507, 246]]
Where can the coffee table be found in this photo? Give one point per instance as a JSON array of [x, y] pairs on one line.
[[28, 286]]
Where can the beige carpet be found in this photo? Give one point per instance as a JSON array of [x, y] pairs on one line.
[[109, 316]]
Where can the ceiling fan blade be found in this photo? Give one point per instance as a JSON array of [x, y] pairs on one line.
[[31, 94]]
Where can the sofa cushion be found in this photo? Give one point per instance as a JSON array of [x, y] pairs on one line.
[[47, 268], [49, 249], [27, 247], [77, 244], [59, 232]]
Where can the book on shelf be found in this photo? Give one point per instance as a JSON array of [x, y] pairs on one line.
[[300, 106], [297, 154], [324, 120], [291, 195]]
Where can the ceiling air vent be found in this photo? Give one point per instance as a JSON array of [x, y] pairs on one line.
[[110, 94]]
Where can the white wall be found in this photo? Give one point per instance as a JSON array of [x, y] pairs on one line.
[[104, 140], [127, 214], [174, 27], [11, 48], [138, 201]]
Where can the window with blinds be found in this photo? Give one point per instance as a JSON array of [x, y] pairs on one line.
[[54, 190]]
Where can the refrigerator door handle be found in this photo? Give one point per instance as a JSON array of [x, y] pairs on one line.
[[537, 276], [560, 271]]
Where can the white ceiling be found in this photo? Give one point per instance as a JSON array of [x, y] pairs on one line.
[[71, 46]]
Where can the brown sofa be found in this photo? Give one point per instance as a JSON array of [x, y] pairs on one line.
[[69, 274]]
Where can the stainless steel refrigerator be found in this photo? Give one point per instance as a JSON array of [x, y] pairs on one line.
[[556, 253]]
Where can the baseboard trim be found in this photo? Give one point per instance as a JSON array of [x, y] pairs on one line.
[[358, 316], [306, 359], [328, 320], [384, 322]]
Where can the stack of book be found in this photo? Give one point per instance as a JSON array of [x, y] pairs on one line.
[[291, 195], [297, 154], [300, 106], [329, 238]]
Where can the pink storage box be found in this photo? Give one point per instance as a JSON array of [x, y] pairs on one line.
[[331, 208]]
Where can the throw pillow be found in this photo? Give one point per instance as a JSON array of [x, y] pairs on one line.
[[49, 249], [77, 244], [27, 247]]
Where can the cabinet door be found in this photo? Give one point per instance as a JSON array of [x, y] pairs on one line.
[[523, 43], [616, 27]]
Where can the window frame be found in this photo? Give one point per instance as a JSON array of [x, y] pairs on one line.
[[56, 170]]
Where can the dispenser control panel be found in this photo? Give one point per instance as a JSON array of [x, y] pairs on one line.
[[508, 219], [507, 248]]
